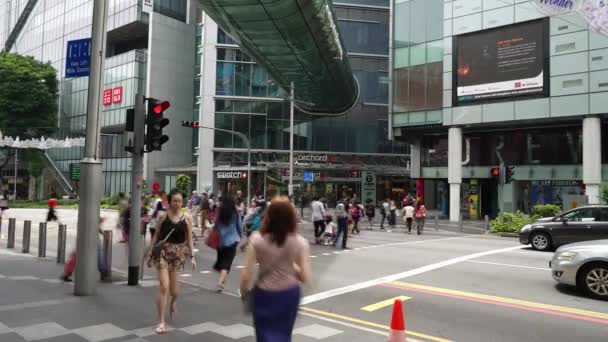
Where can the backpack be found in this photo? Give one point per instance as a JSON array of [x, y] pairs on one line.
[[256, 223], [370, 211], [354, 212]]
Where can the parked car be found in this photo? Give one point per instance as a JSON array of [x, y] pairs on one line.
[[576, 225], [584, 265]]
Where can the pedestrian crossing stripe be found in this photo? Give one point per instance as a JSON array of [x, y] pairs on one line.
[[108, 331], [383, 304]]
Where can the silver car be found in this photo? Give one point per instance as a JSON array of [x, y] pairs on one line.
[[584, 265]]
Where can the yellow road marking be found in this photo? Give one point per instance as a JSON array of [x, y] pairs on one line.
[[383, 304], [372, 324], [505, 300]]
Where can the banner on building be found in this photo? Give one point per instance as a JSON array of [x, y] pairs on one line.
[[594, 12]]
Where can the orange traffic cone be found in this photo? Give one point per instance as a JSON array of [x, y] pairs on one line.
[[397, 333]]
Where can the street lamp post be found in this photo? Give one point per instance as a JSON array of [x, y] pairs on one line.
[[291, 110]]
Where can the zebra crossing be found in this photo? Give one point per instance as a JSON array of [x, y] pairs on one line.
[[107, 331]]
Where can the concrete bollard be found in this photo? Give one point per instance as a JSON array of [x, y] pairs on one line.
[[62, 236], [460, 227], [487, 220], [27, 232], [42, 240], [107, 254], [437, 222], [10, 242]]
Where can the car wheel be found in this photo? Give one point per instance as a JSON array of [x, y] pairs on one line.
[[541, 241], [593, 280]]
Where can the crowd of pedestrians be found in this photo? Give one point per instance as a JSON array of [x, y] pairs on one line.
[[267, 232]]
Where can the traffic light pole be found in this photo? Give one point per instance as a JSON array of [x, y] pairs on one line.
[[86, 276], [291, 136], [135, 236]]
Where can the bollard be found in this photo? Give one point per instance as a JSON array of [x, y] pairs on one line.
[[10, 243], [62, 235], [27, 232], [460, 228], [107, 254], [487, 219], [42, 240], [437, 222]]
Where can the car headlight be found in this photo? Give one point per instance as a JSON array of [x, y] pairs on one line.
[[566, 256], [526, 227]]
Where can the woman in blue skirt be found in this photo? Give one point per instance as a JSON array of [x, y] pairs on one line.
[[284, 261]]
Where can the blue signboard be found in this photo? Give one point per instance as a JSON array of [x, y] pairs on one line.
[[78, 58], [309, 177]]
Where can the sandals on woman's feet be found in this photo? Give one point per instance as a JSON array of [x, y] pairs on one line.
[[161, 329]]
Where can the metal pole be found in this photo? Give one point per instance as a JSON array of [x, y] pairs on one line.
[[27, 232], [85, 279], [291, 110], [16, 165], [460, 228], [42, 240], [437, 222], [10, 242], [107, 252], [136, 188], [487, 220], [61, 243], [248, 174]]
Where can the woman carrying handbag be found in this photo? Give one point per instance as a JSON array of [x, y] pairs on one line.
[[283, 256], [171, 242], [420, 216]]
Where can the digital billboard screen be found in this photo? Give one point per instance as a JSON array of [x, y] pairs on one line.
[[502, 63]]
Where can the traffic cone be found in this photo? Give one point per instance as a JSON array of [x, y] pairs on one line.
[[397, 333]]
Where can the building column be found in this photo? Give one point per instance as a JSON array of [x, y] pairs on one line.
[[206, 137], [592, 158], [416, 167], [455, 170]]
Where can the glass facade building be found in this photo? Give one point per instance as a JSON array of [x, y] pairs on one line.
[[544, 136], [48, 27], [247, 100]]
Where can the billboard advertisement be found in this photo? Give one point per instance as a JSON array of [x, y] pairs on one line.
[[502, 63]]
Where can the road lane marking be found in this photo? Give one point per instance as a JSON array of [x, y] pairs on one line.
[[550, 309], [354, 326], [374, 282], [369, 324], [509, 265], [384, 303]]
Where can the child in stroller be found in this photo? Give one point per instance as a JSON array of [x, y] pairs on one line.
[[329, 235]]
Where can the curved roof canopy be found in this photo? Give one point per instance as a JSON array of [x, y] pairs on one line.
[[296, 41]]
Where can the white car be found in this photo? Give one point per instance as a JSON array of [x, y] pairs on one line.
[[584, 265]]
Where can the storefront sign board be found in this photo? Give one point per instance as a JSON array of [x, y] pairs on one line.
[[368, 186]]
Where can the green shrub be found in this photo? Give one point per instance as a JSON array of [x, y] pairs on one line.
[[511, 223], [546, 210]]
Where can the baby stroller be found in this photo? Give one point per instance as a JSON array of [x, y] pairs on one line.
[[329, 235]]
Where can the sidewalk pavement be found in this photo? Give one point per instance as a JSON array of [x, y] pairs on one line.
[[36, 306]]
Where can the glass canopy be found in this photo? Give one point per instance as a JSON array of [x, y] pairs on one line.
[[296, 41]]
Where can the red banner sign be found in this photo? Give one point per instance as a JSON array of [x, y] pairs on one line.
[[117, 94], [107, 97]]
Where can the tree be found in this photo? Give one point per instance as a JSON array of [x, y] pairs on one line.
[[182, 184], [28, 96]]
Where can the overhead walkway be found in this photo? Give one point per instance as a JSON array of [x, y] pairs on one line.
[[296, 41]]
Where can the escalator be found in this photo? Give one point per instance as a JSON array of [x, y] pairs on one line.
[[63, 182]]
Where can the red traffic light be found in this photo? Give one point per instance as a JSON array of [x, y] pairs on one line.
[[495, 172], [161, 107], [195, 124]]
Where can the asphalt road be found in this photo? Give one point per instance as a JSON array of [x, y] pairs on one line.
[[456, 287]]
